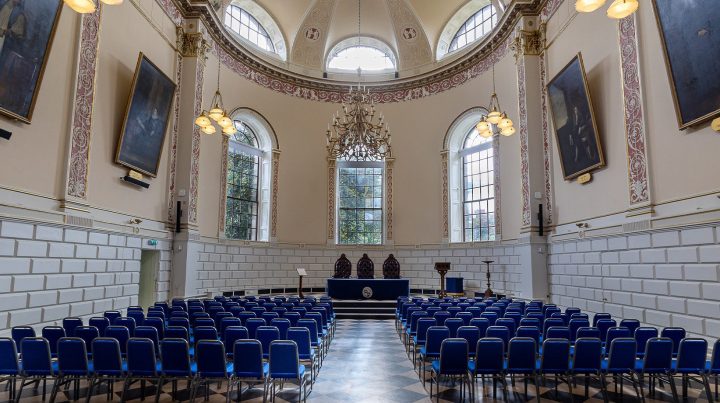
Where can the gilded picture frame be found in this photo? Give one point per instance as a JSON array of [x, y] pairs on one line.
[[571, 110], [147, 117], [692, 57], [25, 45]]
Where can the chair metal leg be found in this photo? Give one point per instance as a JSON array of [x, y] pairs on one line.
[[603, 386], [671, 381], [158, 389], [537, 388], [706, 384], [635, 386], [124, 390]]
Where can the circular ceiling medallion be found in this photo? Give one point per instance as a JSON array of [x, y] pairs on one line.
[[367, 292], [409, 33], [312, 34]]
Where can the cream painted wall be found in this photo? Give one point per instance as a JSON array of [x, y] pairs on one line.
[[117, 58], [418, 128], [33, 160]]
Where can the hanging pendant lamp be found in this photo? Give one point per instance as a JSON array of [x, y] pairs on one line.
[[622, 8]]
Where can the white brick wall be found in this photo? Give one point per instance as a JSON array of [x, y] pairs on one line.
[[48, 272], [662, 278]]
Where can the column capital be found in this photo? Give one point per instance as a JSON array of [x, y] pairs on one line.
[[528, 42], [191, 44]]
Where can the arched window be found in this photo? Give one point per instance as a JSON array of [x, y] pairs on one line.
[[471, 181], [476, 27], [245, 25], [478, 188], [360, 201], [248, 173], [368, 54]]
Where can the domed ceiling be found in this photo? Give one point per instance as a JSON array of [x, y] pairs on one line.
[[417, 32]]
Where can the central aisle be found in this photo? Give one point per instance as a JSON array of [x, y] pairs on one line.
[[367, 363]]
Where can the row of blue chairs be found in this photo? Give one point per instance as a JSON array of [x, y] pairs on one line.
[[168, 360]]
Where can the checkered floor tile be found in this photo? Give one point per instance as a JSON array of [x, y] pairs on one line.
[[367, 362]]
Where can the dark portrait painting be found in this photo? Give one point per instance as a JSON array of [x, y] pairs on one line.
[[690, 32], [27, 28], [146, 118], [572, 115]]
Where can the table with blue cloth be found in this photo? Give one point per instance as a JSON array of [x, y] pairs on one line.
[[379, 289]]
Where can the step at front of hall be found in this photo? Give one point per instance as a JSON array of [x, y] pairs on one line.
[[364, 309]]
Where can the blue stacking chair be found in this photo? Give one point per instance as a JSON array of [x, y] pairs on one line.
[[293, 317], [232, 334], [283, 325], [631, 324], [204, 322], [656, 364], [177, 332], [489, 361], [453, 324], [194, 316], [472, 335], [482, 324], [713, 366], [475, 311], [149, 332], [36, 364], [576, 324], [453, 363], [18, 333], [521, 361], [530, 322], [182, 322], [411, 327], [515, 316], [301, 337], [139, 316], [676, 334], [72, 365], [555, 360], [245, 315], [121, 334], [431, 350], [211, 365], [204, 333], [579, 316], [9, 365], [508, 323], [490, 316], [176, 364], [419, 339], [315, 341], [107, 365], [558, 332], [266, 335], [142, 365], [101, 323], [587, 361], [642, 335], [588, 332], [501, 332], [621, 363], [531, 332], [112, 315], [465, 316], [252, 324], [248, 366], [551, 322], [691, 361], [128, 322], [603, 325], [441, 317], [268, 316], [87, 334], [69, 324], [285, 366], [570, 311], [454, 310], [158, 324], [53, 334], [616, 332], [598, 316]]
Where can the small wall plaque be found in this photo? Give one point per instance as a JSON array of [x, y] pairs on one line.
[[584, 178]]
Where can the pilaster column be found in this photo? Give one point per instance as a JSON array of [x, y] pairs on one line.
[[389, 164], [332, 167], [78, 157], [275, 167], [446, 197]]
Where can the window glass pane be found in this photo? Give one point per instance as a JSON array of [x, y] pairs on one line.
[[241, 213], [364, 57], [476, 27], [245, 25], [478, 189], [360, 214]]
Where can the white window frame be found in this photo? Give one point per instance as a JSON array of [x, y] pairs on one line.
[[360, 164]]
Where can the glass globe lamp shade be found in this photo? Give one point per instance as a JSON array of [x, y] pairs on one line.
[[81, 6], [508, 131], [225, 121], [620, 9], [482, 126], [505, 122], [209, 129], [202, 120], [716, 125], [112, 2], [485, 134], [229, 131], [588, 6], [216, 113], [494, 117]]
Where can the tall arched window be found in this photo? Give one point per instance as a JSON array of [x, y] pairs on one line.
[[472, 189], [249, 169], [243, 178], [477, 26], [360, 201], [244, 24], [368, 54], [478, 188]]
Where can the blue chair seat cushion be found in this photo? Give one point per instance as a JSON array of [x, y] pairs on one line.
[[41, 372], [180, 372], [287, 375], [710, 369], [254, 375], [472, 367], [158, 369], [217, 374], [435, 366]]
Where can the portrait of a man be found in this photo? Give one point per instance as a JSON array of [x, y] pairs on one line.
[[571, 109], [146, 121], [26, 31]]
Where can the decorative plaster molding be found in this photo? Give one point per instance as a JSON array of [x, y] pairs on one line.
[[309, 45], [412, 42], [530, 43], [638, 173], [331, 201], [389, 163], [498, 199], [81, 127], [169, 7], [275, 167], [174, 139], [547, 144], [524, 146], [223, 186], [195, 154], [191, 44], [445, 194]]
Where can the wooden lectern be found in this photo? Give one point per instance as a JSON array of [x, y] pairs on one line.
[[301, 273], [442, 268], [488, 292]]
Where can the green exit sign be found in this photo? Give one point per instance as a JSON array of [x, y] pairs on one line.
[[152, 242]]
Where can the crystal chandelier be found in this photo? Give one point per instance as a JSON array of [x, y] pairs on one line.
[[618, 9], [356, 135], [217, 114], [88, 6], [495, 117]]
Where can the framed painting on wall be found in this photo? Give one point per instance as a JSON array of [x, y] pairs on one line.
[[574, 122], [146, 118], [689, 31], [27, 28]]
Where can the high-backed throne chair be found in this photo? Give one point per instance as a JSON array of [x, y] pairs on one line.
[[391, 268], [343, 267], [365, 267]]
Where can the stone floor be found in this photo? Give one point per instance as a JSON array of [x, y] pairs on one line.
[[368, 363]]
